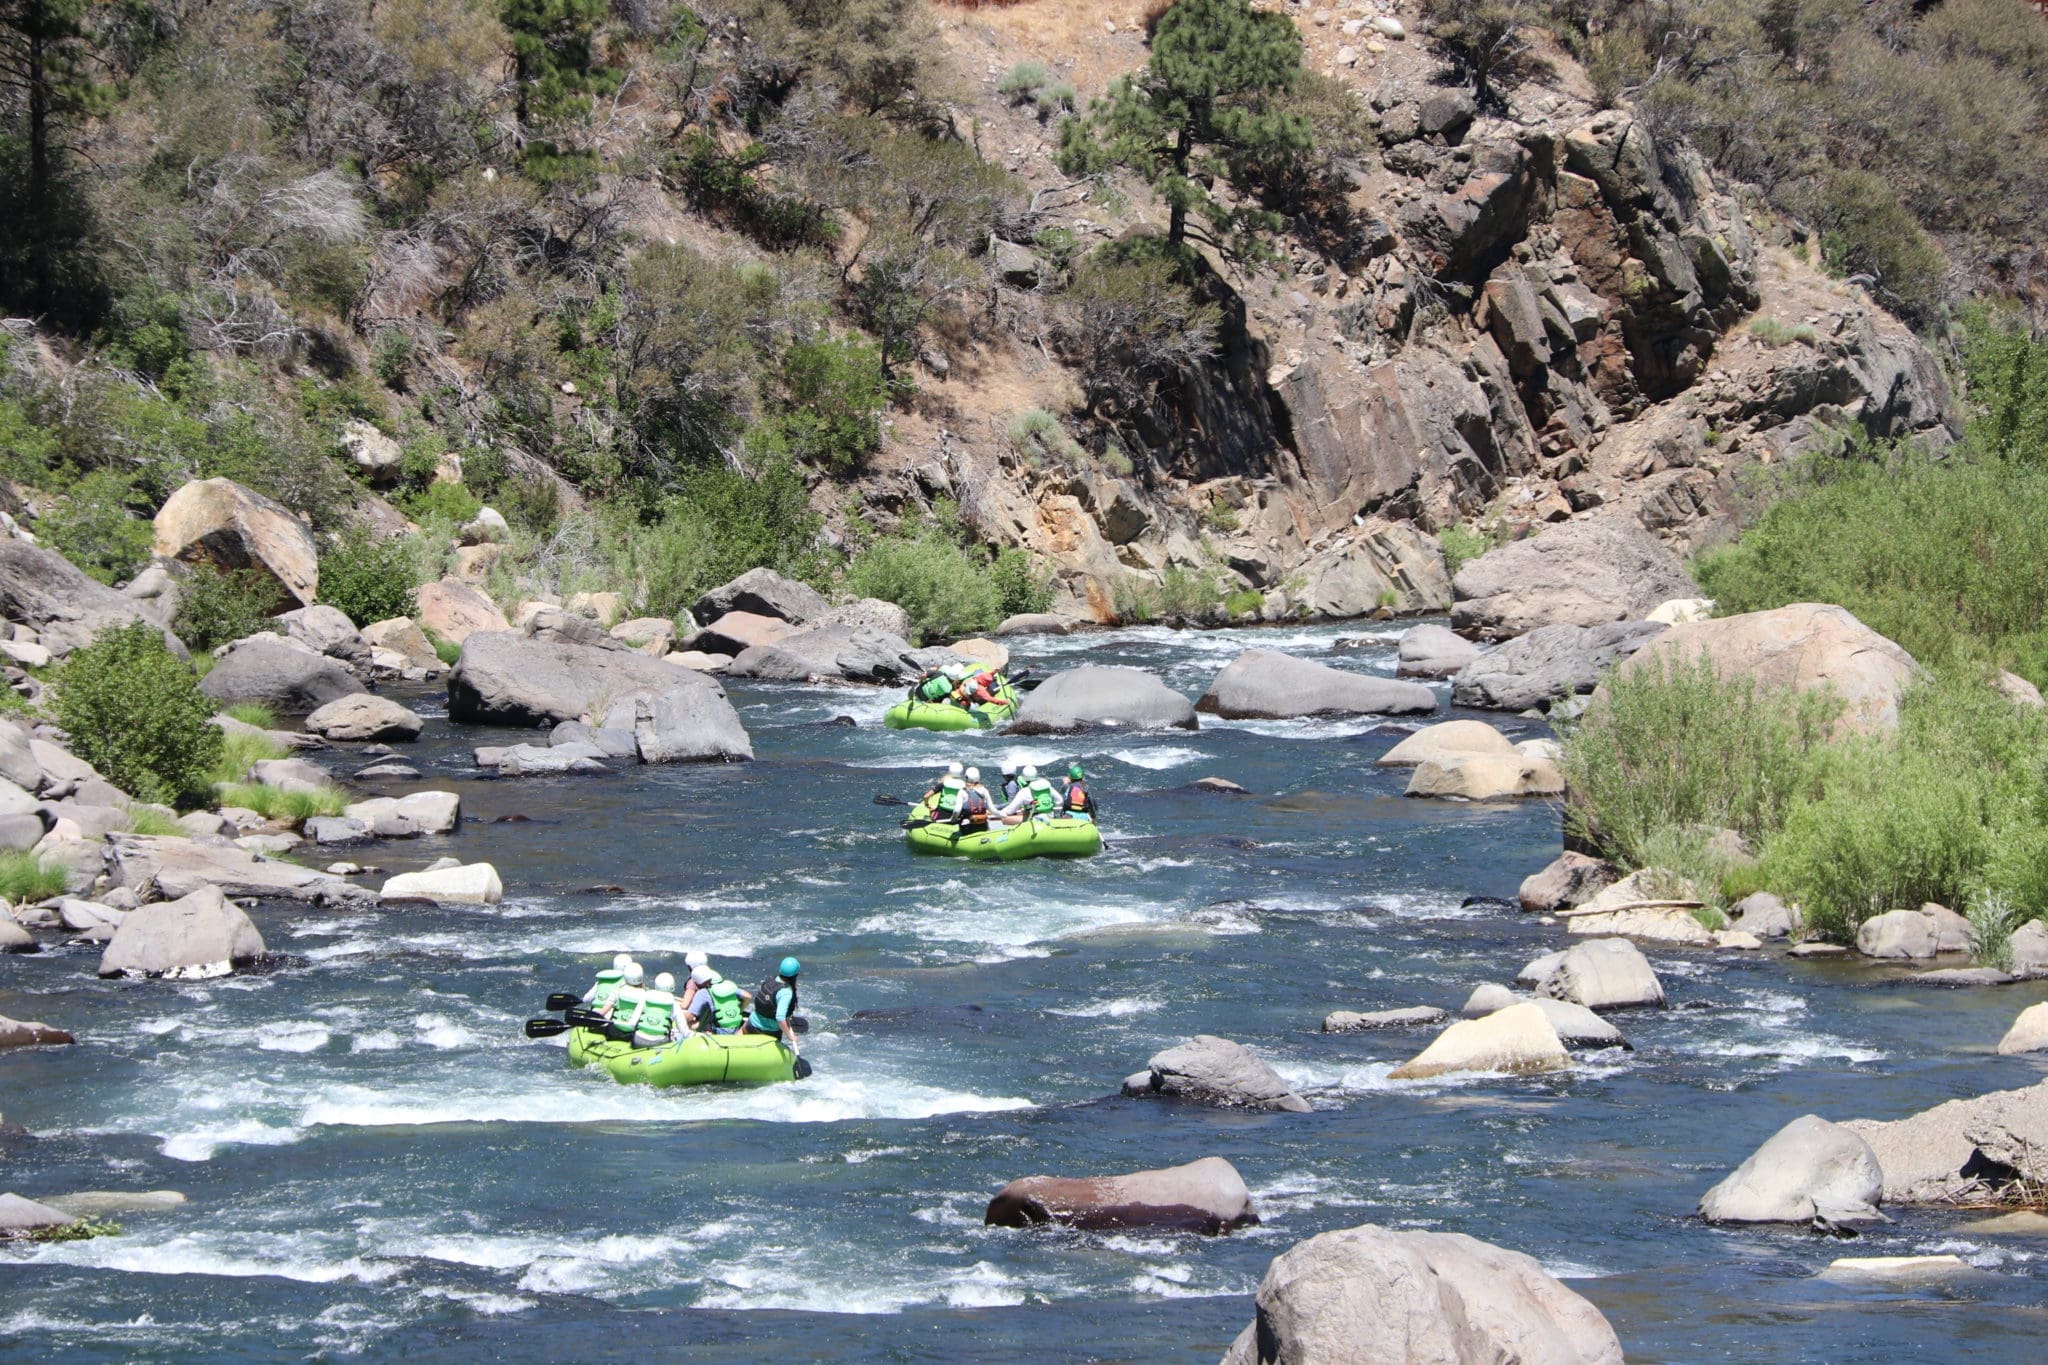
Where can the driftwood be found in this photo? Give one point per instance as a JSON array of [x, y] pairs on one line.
[[1630, 905]]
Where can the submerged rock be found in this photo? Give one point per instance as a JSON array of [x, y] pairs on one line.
[[1346, 1021], [1206, 1196], [1376, 1296], [1485, 777], [1810, 1169], [201, 933], [1215, 1071]]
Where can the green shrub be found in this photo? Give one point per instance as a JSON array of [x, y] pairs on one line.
[[445, 649], [2008, 371], [77, 1230], [290, 807], [1461, 545], [946, 592], [151, 820], [830, 409], [1244, 602], [1021, 587], [446, 504], [1038, 436], [215, 608], [1021, 86], [238, 753], [1992, 918], [366, 579], [134, 711], [93, 528], [24, 878], [1674, 747], [1180, 595]]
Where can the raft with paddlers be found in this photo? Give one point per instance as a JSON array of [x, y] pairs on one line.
[[956, 699], [1036, 837], [694, 1059]]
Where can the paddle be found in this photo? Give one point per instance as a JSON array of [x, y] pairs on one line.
[[553, 1028], [563, 1000]]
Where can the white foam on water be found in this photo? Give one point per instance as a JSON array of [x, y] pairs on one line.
[[200, 1144], [253, 1255], [1005, 926], [485, 1303], [293, 1035], [383, 1040], [748, 1284], [1119, 1008], [1159, 760], [860, 1156]]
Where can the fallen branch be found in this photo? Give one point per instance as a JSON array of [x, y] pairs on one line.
[[1631, 905]]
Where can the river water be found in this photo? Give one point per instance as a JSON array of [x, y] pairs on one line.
[[379, 1163]]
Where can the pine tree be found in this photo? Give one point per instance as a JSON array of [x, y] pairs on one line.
[[1202, 107], [553, 64], [43, 55]]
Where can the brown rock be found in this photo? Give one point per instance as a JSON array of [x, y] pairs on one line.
[[1573, 879], [218, 521], [454, 610], [1206, 1196]]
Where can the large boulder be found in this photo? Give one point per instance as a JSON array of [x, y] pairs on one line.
[[1548, 663], [365, 716], [1572, 879], [278, 673], [1605, 974], [1650, 903], [23, 1217], [2029, 948], [176, 867], [1094, 696], [679, 725], [1809, 1169], [328, 631], [200, 934], [1265, 684], [1376, 1296], [466, 884], [2029, 1032], [402, 636], [1964, 1151], [289, 774], [18, 757], [736, 632], [1898, 934], [1215, 1071], [1518, 1040], [871, 612], [400, 817], [827, 654], [1486, 777], [21, 1033], [1447, 740], [1800, 648], [66, 609], [1579, 1027], [1351, 1021], [1434, 652], [219, 522], [1206, 1196], [454, 610], [654, 635], [1764, 915], [506, 678], [1033, 623], [763, 592], [1580, 573]]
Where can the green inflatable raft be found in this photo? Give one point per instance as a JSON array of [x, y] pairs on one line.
[[943, 715], [1064, 837], [699, 1059]]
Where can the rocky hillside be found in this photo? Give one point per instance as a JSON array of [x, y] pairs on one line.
[[1540, 314]]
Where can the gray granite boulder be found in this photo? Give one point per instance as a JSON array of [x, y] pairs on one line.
[[1097, 697], [1265, 684]]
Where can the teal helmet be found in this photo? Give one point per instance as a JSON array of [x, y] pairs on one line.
[[1074, 771], [790, 967]]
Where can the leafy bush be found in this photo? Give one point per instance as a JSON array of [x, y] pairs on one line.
[[24, 878], [2008, 371], [445, 504], [830, 409], [94, 529], [1030, 83], [1244, 602], [1675, 747], [368, 580], [1021, 587], [215, 608], [1180, 595], [944, 589], [134, 711], [1461, 545]]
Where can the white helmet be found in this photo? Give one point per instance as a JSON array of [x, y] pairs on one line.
[[694, 960], [665, 982], [1030, 773], [974, 774], [634, 974], [953, 769], [622, 961], [1009, 769], [701, 974], [951, 782], [956, 671]]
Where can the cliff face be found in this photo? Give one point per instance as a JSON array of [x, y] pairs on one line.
[[1541, 311]]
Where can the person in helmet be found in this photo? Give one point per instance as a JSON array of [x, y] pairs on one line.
[[930, 797], [773, 1004], [982, 688], [691, 962], [932, 685], [654, 1023], [625, 1006], [599, 996], [718, 1007], [1009, 787], [1075, 801], [1035, 796], [972, 813]]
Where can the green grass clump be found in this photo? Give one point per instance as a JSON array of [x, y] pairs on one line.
[[252, 713], [24, 878], [237, 754], [135, 712], [445, 649], [1772, 332], [151, 820], [1461, 545], [78, 1230], [290, 807]]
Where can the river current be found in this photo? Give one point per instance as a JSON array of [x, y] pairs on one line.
[[378, 1163]]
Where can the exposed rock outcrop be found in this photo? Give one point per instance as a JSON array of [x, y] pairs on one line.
[[506, 678], [464, 884], [1810, 1169], [200, 933], [1215, 1071], [1376, 1296], [1206, 1196], [1485, 777], [454, 610], [828, 653], [1571, 880], [1266, 684], [1092, 697], [66, 609], [1964, 1151], [277, 672], [1581, 573], [1549, 663], [219, 522], [763, 592], [1516, 1040]]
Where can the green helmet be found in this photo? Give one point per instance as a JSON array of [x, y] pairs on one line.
[[790, 967], [1074, 771]]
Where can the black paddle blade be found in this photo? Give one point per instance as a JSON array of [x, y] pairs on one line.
[[545, 1028], [564, 1000], [799, 1023], [583, 1018], [802, 1069]]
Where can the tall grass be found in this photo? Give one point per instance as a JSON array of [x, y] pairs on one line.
[[290, 807], [238, 752], [252, 713], [25, 878]]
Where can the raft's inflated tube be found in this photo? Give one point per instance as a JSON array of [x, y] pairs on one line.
[[1061, 837], [944, 715], [699, 1059]]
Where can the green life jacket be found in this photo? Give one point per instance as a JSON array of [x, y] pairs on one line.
[[725, 1003], [936, 688], [626, 1002], [607, 988], [1044, 800], [949, 799], [657, 1011]]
